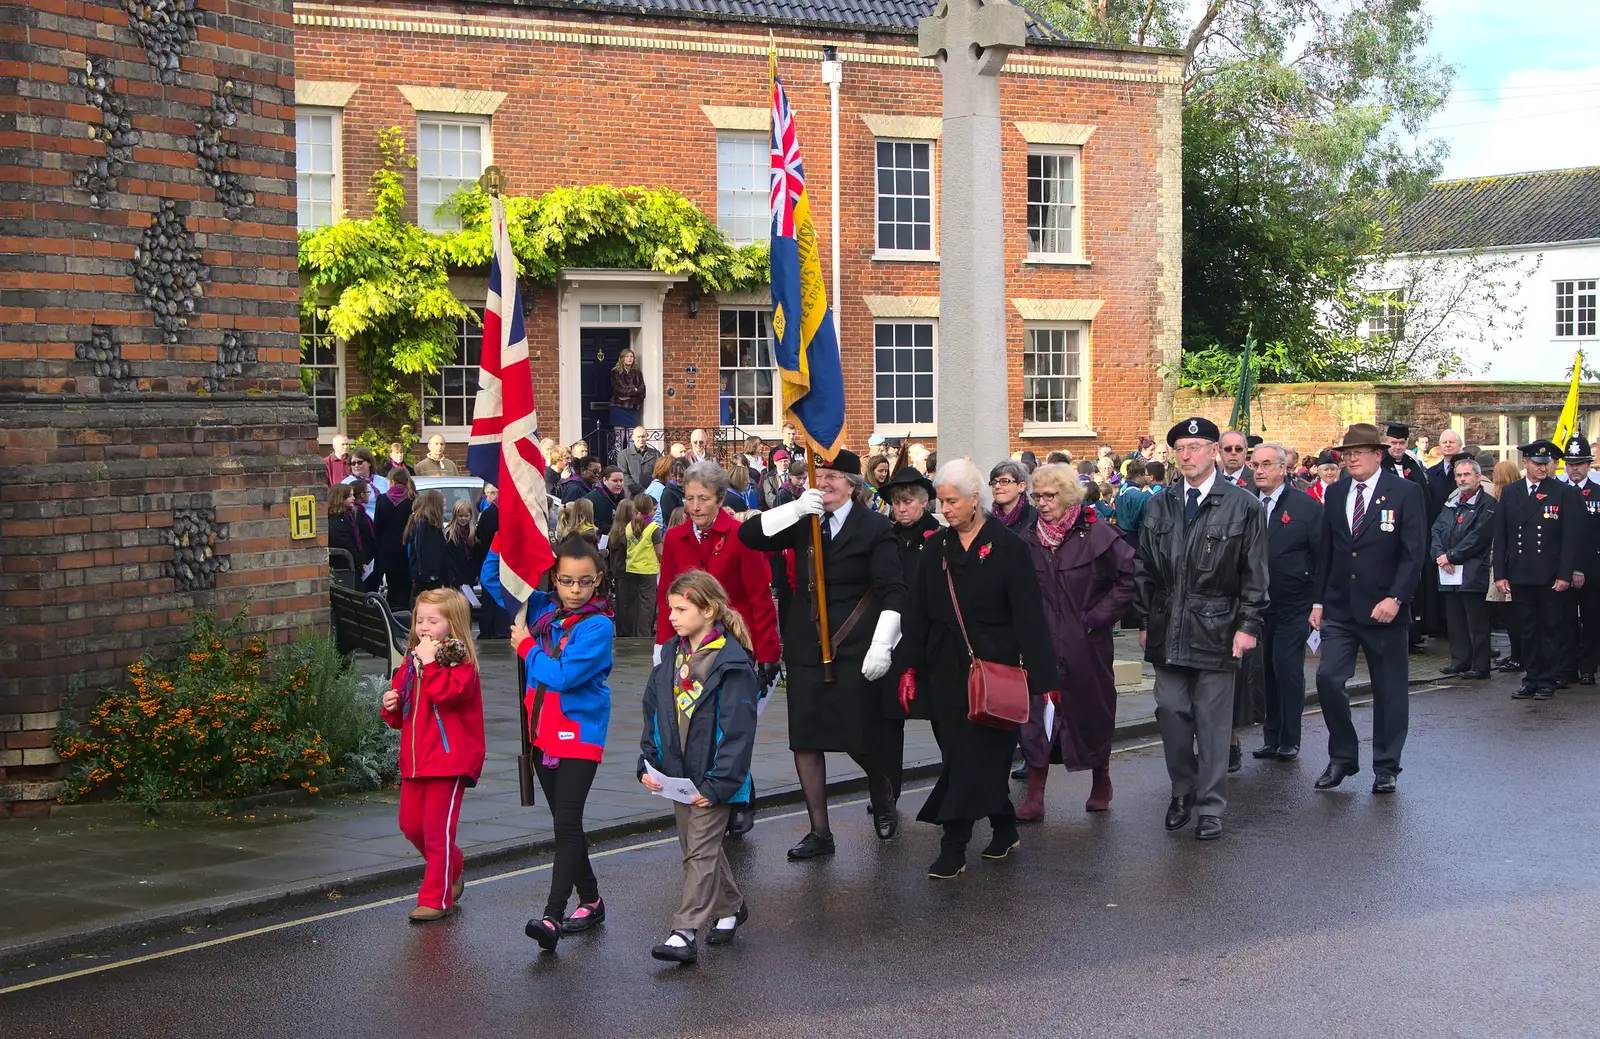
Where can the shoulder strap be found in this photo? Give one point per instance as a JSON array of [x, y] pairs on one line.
[[957, 604]]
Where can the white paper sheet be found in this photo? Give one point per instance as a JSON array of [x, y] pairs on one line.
[[472, 598], [1314, 643], [1451, 579], [673, 789], [1049, 718], [603, 539], [766, 697]]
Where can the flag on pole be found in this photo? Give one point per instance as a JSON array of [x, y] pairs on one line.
[[806, 345], [504, 446], [1567, 424]]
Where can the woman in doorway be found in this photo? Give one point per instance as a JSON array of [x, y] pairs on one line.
[[627, 399]]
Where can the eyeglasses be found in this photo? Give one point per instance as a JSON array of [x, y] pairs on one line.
[[576, 582], [1039, 496], [1234, 450], [1004, 481]]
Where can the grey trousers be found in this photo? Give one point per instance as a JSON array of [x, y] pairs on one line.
[[1194, 708], [709, 893]]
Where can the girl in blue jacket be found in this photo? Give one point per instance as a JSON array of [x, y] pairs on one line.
[[700, 725], [566, 648]]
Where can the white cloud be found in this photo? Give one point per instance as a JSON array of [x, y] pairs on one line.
[[1532, 119]]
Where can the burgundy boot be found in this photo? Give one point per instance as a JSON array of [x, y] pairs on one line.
[[1100, 793], [1031, 810]]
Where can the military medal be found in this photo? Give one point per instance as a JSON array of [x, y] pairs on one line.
[[1386, 520]]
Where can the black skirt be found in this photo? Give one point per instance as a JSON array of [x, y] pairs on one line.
[[843, 715]]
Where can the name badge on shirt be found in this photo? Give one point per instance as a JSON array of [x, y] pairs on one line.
[[1386, 520]]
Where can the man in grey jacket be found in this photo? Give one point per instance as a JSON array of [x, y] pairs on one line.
[[1200, 582], [637, 462]]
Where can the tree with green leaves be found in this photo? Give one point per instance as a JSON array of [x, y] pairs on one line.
[[1301, 120]]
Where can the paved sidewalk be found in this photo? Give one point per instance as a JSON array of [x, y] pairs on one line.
[[98, 876]]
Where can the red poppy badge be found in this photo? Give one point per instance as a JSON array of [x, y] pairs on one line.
[[1285, 518], [983, 553]]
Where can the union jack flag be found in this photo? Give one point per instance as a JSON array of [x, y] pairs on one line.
[[504, 446], [788, 172]]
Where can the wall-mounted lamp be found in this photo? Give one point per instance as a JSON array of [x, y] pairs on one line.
[[527, 304], [832, 67], [694, 304]]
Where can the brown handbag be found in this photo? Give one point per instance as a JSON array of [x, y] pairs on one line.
[[997, 694]]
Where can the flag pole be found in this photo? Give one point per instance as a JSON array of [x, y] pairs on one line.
[[823, 630]]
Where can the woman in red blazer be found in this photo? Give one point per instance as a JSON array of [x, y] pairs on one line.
[[709, 541]]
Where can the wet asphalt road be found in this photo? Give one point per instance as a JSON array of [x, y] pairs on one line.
[[1468, 905]]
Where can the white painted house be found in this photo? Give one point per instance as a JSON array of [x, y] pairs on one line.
[[1548, 219]]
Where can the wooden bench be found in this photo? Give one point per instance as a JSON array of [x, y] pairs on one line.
[[363, 620]]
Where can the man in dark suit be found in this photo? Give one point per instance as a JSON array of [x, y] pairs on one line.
[[1536, 540], [1295, 548], [1442, 477], [1427, 615], [1374, 524], [1586, 578], [1233, 451], [1460, 541]]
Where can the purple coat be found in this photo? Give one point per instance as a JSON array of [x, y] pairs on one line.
[[1088, 585]]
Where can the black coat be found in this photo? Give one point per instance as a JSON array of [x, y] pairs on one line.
[[1408, 468], [998, 589], [1589, 544], [573, 488], [427, 556], [910, 543], [1537, 539], [671, 501], [488, 527], [458, 569], [1295, 550], [837, 715], [390, 521], [1382, 563], [1197, 586], [352, 531], [605, 507], [1441, 483], [1465, 533]]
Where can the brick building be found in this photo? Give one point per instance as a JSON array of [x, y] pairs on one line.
[[1497, 416], [152, 423], [674, 94]]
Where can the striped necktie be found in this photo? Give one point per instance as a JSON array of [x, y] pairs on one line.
[[1360, 512]]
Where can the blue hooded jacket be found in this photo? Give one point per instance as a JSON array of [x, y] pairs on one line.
[[721, 733]]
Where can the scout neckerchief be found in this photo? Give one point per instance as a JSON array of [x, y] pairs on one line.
[[692, 667]]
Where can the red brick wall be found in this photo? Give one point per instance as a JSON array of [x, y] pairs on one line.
[[583, 113], [103, 457]]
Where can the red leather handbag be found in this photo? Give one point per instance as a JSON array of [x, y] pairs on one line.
[[997, 694]]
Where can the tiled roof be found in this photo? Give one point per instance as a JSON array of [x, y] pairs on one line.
[[895, 15], [1487, 212]]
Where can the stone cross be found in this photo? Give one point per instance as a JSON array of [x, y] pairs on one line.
[[969, 41]]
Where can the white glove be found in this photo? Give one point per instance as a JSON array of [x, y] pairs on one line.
[[655, 657], [884, 638], [785, 516]]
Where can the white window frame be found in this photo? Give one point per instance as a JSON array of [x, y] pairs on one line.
[[895, 429], [450, 119], [759, 219], [337, 187], [1576, 290], [1074, 154], [767, 431], [325, 434], [1385, 314], [932, 252], [452, 434], [1081, 425]]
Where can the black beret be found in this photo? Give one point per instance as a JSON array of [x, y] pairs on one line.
[[1193, 428]]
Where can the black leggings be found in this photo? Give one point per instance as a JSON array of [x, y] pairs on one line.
[[565, 790]]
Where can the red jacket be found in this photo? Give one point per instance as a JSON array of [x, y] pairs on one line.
[[742, 570], [441, 730]]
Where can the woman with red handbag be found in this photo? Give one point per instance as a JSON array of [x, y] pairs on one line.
[[977, 649]]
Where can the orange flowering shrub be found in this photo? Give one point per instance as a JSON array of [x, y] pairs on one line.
[[214, 722]]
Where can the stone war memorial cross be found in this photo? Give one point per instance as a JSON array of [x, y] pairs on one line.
[[969, 40]]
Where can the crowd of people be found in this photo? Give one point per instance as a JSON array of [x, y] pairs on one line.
[[986, 600]]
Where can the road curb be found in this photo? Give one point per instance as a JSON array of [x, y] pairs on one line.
[[168, 922]]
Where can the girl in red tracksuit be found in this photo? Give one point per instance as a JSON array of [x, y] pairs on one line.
[[436, 703]]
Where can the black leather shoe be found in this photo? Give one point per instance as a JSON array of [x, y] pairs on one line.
[[1479, 675], [1383, 783], [1020, 772], [1288, 753], [741, 819], [1544, 692], [1262, 753], [1524, 692], [1450, 670], [1509, 667], [1178, 812], [949, 865], [724, 935], [811, 846], [1335, 774], [1586, 678], [596, 915], [886, 822], [1235, 758], [677, 953], [1209, 828], [1004, 843], [546, 931]]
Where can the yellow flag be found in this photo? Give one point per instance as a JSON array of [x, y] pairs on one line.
[[1568, 423]]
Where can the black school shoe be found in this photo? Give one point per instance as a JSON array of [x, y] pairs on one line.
[[586, 916], [677, 953], [724, 935], [545, 931], [811, 846]]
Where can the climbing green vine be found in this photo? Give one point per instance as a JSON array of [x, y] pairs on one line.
[[382, 284]]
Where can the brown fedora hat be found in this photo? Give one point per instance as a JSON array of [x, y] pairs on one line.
[[1362, 434]]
